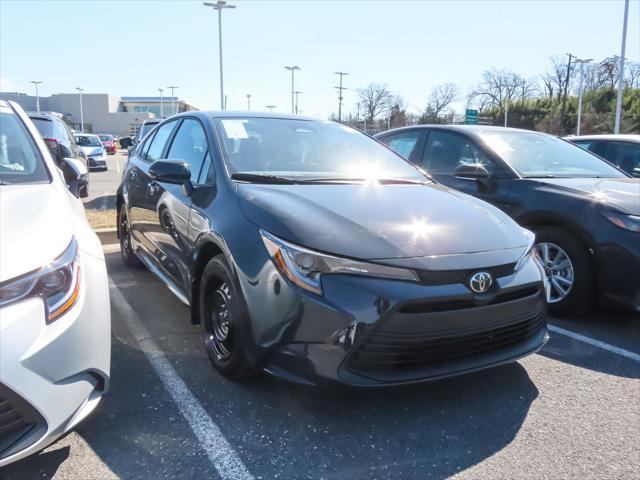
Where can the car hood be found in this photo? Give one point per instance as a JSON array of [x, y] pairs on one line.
[[380, 222], [620, 192], [92, 150], [36, 227]]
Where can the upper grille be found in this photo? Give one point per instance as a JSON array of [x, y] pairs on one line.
[[20, 423]]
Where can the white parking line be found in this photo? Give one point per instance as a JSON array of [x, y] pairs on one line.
[[117, 159], [220, 453], [595, 343]]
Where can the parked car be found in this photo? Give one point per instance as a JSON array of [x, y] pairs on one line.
[[145, 128], [109, 142], [309, 250], [55, 325], [93, 149], [62, 145], [584, 211], [621, 150]]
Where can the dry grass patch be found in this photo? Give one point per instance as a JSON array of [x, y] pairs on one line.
[[102, 218]]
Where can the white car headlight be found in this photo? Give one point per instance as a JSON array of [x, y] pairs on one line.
[[529, 251], [305, 267], [57, 283]]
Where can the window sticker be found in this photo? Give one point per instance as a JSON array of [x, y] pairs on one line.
[[234, 129]]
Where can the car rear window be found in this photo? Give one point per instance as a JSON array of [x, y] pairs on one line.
[[44, 126], [20, 159]]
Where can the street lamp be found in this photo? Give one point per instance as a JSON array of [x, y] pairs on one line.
[[621, 73], [292, 69], [297, 92], [219, 6], [173, 99], [581, 62], [270, 107], [248, 101], [36, 83], [161, 108], [80, 90]]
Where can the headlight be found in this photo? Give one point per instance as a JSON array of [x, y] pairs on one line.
[[58, 284], [621, 220], [529, 251], [305, 267]]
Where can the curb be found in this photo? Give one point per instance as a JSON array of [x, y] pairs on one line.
[[107, 236]]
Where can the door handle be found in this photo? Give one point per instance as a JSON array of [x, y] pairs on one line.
[[153, 188]]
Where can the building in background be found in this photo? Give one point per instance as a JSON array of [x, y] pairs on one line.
[[102, 113]]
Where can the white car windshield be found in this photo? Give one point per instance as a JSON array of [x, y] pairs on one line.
[[88, 141]]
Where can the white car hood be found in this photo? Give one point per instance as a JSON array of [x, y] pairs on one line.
[[92, 150], [35, 227]]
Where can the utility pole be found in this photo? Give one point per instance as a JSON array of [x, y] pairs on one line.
[[390, 108], [297, 92], [616, 128], [173, 99], [80, 90], [566, 90], [161, 107], [270, 107], [292, 69], [581, 62], [36, 83], [340, 89], [248, 101], [219, 6]]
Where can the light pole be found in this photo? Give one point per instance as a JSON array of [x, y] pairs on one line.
[[297, 92], [173, 99], [80, 90], [293, 69], [36, 83], [270, 107], [340, 89], [581, 62], [161, 110], [616, 128], [219, 6], [248, 101]]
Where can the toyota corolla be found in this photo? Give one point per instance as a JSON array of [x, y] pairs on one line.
[[309, 250]]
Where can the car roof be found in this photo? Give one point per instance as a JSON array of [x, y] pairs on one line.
[[77, 134], [472, 129], [208, 115], [610, 136]]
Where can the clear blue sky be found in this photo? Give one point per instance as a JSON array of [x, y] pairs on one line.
[[409, 45]]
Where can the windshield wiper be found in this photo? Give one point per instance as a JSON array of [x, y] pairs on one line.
[[260, 178]]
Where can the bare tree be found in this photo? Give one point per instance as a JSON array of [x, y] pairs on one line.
[[499, 87], [373, 100], [441, 97], [610, 69], [555, 78], [593, 77], [632, 75]]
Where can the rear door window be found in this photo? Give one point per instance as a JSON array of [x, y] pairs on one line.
[[156, 148]]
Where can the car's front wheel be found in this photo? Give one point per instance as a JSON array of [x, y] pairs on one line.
[[124, 232], [568, 270], [225, 322]]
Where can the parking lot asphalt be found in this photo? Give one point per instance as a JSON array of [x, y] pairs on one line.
[[570, 411], [104, 183]]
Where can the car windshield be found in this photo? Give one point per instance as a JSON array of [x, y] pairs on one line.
[[536, 155], [88, 141], [146, 128], [308, 150], [106, 138], [20, 160]]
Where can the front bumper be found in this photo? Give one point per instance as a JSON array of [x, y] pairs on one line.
[[97, 162], [374, 332], [52, 376]]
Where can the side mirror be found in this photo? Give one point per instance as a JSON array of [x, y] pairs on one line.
[[78, 168], [472, 171], [172, 171], [76, 176]]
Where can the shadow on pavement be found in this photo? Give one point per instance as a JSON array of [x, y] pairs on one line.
[[101, 203], [48, 464]]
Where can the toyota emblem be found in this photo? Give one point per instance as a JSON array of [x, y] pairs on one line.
[[480, 282]]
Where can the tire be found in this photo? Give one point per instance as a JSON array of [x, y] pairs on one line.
[[124, 233], [552, 242], [225, 322]]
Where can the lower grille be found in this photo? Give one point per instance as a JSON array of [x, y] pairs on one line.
[[20, 423], [405, 341]]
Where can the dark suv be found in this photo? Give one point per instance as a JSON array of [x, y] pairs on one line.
[[61, 143], [307, 249], [584, 211]]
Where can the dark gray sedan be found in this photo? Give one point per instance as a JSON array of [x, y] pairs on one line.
[[309, 250]]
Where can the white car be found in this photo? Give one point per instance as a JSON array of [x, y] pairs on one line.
[[55, 322], [93, 148]]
